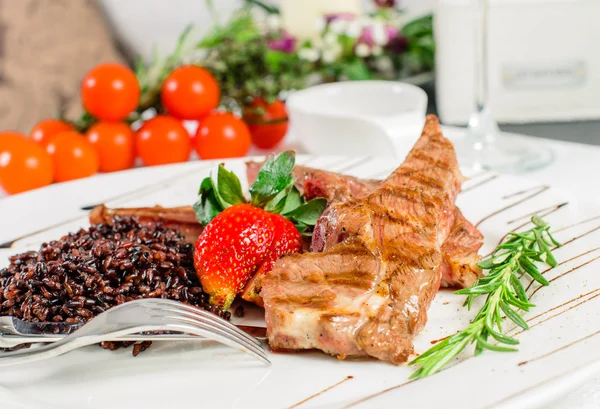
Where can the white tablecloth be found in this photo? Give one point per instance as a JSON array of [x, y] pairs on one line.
[[575, 170]]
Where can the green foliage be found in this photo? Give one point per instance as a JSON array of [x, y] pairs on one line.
[[505, 295]]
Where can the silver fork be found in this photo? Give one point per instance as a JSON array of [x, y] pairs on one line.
[[140, 316]]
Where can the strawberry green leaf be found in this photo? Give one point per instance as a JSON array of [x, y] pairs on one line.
[[277, 204], [207, 206], [303, 228], [205, 186], [229, 187], [274, 176], [292, 201], [309, 212]]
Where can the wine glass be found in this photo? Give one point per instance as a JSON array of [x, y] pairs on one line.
[[485, 146]]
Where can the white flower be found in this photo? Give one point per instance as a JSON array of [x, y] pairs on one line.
[[338, 26], [332, 53], [354, 29], [362, 50], [329, 57], [377, 50], [365, 21], [384, 64], [309, 54], [321, 24], [313, 79], [379, 34], [330, 39], [317, 43], [273, 22]]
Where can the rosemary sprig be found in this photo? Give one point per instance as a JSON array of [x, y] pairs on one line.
[[516, 255]]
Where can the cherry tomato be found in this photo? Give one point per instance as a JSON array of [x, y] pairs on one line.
[[162, 140], [115, 145], [110, 92], [10, 138], [268, 123], [44, 130], [24, 165], [190, 92], [73, 156], [222, 135]]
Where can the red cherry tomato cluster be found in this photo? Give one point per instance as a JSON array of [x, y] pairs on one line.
[[56, 151]]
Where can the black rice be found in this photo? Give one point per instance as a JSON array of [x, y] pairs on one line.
[[85, 273]]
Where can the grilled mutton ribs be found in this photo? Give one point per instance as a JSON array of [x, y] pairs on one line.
[[377, 266], [460, 248]]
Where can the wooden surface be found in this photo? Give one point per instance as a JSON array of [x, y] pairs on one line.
[[46, 47]]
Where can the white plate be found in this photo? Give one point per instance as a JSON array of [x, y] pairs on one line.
[[560, 351]]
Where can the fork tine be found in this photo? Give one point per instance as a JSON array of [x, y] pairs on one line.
[[210, 316], [207, 320], [239, 343], [223, 326]]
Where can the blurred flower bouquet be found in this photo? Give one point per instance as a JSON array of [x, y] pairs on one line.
[[254, 57]]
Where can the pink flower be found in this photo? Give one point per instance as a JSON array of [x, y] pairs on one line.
[[367, 36], [397, 45], [286, 43], [390, 33], [339, 16], [385, 3]]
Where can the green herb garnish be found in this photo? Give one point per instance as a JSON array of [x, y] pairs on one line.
[[273, 190], [506, 295]]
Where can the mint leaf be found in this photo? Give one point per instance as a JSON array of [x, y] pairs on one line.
[[309, 212], [207, 206], [229, 187], [274, 176]]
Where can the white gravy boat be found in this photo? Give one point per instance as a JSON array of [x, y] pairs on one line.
[[374, 118]]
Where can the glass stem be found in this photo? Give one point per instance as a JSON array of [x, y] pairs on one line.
[[482, 126]]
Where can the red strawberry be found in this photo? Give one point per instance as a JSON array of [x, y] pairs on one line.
[[242, 240], [230, 249], [287, 241]]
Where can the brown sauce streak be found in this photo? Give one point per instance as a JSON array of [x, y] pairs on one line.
[[555, 308], [563, 304], [564, 274], [551, 210], [435, 341], [478, 174], [481, 183], [347, 378], [540, 190], [521, 192], [366, 398], [561, 263], [580, 236], [559, 349], [578, 223], [562, 312]]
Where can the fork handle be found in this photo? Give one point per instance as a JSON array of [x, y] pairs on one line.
[[73, 342], [61, 347]]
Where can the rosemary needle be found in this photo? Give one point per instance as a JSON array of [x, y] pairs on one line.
[[517, 254]]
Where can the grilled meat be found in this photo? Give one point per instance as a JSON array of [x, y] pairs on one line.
[[378, 266], [460, 249], [182, 218]]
